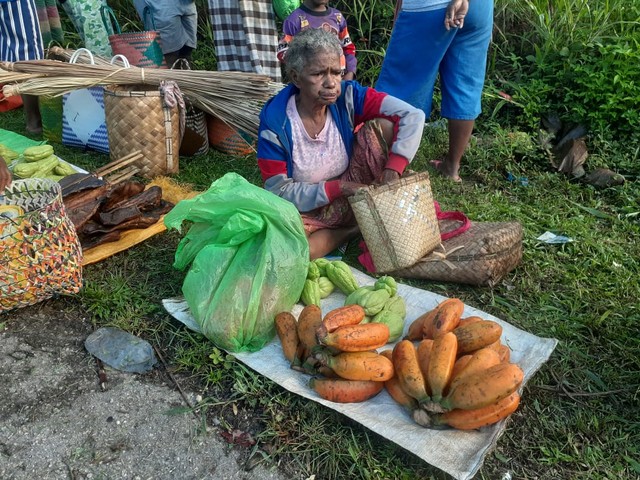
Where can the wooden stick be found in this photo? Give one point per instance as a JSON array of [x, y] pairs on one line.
[[124, 175], [120, 162]]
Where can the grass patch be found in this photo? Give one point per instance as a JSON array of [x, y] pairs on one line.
[[579, 414], [578, 418]]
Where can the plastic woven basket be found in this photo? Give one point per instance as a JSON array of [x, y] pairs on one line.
[[142, 49], [40, 254], [398, 221], [139, 119], [227, 139]]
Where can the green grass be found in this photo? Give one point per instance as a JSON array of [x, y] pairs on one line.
[[579, 414], [578, 417]]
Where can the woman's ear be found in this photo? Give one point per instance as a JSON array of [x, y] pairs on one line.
[[294, 77]]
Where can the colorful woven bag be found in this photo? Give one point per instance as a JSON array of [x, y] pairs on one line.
[[40, 254], [83, 118], [142, 49], [227, 139]]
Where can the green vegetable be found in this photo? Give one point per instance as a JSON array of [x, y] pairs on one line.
[[63, 169], [322, 263], [310, 293], [371, 300], [374, 302], [39, 168], [358, 294], [313, 273], [7, 153], [392, 320], [396, 305], [39, 152], [388, 283], [326, 287], [341, 276]]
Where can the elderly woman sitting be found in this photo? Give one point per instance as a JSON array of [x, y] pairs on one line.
[[321, 138]]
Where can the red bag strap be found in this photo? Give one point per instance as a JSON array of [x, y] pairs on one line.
[[452, 215]]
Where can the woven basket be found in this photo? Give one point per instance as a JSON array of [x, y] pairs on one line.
[[40, 254], [227, 139], [398, 221], [481, 256], [142, 49], [138, 119]]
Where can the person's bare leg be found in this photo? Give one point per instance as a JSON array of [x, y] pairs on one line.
[[326, 240], [32, 114], [459, 134]]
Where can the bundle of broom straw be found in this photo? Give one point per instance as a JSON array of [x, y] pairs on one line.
[[234, 97]]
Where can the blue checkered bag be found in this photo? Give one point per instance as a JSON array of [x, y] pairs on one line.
[[83, 119]]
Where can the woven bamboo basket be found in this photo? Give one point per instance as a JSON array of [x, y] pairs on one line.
[[398, 221], [139, 119], [481, 256], [40, 254]]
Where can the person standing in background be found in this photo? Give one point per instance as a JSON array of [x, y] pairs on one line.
[[177, 22], [453, 38], [318, 14], [245, 36], [87, 20], [20, 39], [49, 18]]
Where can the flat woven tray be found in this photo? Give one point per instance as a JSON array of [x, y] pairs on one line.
[[482, 255]]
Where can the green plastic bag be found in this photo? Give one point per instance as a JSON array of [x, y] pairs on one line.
[[284, 8], [249, 257]]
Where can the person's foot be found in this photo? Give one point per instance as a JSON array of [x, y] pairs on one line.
[[34, 130], [443, 169]]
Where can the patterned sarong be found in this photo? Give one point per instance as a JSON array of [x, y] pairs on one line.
[[245, 36], [49, 19]]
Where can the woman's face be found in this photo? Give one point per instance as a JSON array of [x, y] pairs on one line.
[[319, 81]]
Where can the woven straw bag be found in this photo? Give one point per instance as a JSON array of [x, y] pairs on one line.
[[138, 118], [398, 221], [481, 256], [40, 254]]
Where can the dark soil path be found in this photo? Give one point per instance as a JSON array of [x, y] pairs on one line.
[[57, 422]]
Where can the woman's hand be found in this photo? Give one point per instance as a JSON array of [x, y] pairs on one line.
[[456, 11], [389, 176], [5, 175], [349, 188]]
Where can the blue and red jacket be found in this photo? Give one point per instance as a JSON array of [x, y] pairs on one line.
[[356, 104]]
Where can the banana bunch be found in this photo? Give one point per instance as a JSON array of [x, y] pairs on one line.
[[458, 375]]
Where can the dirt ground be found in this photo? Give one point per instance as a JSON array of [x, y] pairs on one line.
[[57, 422]]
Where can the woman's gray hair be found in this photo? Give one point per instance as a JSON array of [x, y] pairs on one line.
[[306, 45]]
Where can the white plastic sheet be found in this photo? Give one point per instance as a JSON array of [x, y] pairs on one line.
[[458, 453]]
